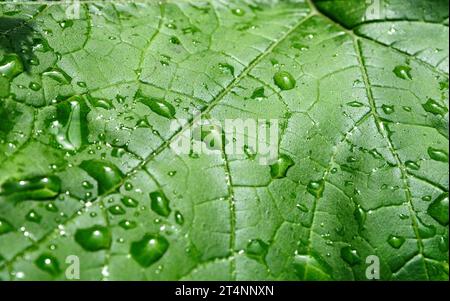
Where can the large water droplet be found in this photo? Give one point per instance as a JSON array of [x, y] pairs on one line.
[[160, 203], [350, 255], [433, 107], [439, 209], [403, 72], [396, 241], [149, 249], [37, 188], [49, 264], [284, 80], [71, 125], [94, 239], [107, 175], [258, 93], [316, 188], [11, 66], [360, 216], [280, 168], [437, 154], [58, 75], [116, 210]]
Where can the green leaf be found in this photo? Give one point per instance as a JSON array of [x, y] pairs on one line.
[[89, 106]]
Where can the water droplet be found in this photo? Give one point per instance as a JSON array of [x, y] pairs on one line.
[[51, 207], [5, 226], [316, 188], [355, 104], [302, 207], [34, 86], [350, 255], [11, 66], [437, 154], [70, 128], [175, 40], [127, 224], [49, 264], [179, 218], [388, 109], [149, 249], [396, 241], [433, 107], [94, 239], [58, 75], [129, 202], [116, 210], [279, 169], [37, 188], [258, 93], [443, 243], [226, 68], [412, 165], [160, 203], [257, 249], [107, 175], [403, 72], [360, 216], [66, 24], [284, 80], [238, 12], [439, 209], [33, 216], [159, 106]]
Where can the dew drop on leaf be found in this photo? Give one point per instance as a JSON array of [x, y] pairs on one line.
[[160, 203], [403, 72], [438, 209], [94, 239], [350, 256], [280, 168], [396, 241], [48, 264], [149, 249], [107, 175], [284, 80]]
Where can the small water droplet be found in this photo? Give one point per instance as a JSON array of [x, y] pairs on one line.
[[116, 210], [160, 203], [33, 216], [129, 202], [403, 72], [316, 188], [412, 165], [280, 168], [350, 255], [238, 12], [127, 224], [396, 241], [387, 109], [49, 264], [179, 218]]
